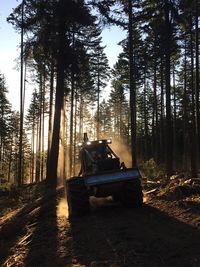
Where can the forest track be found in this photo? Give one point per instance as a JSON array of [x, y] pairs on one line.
[[161, 233]]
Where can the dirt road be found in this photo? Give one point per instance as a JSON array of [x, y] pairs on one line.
[[159, 234]]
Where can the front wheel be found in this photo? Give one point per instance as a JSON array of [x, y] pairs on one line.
[[77, 197]]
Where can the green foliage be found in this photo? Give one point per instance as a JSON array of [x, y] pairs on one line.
[[151, 170], [8, 188]]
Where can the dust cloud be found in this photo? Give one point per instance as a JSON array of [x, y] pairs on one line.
[[62, 208], [122, 151]]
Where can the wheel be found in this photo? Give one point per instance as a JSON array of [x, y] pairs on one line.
[[131, 194], [77, 197]]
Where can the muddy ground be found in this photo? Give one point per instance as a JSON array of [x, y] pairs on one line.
[[164, 232]]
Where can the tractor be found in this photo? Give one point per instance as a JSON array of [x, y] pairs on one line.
[[102, 175]]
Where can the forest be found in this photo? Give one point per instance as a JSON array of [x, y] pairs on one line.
[[153, 104]]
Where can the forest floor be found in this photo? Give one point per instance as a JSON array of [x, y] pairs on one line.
[[165, 231]]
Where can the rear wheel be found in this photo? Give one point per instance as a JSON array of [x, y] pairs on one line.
[[77, 197]]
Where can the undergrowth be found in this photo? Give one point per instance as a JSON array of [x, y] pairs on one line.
[[150, 170]]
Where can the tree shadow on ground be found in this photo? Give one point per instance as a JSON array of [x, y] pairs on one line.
[[115, 236], [16, 229], [36, 243], [42, 246]]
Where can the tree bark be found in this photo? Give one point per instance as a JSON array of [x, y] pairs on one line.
[[169, 132], [132, 88], [185, 116], [19, 180], [54, 152], [162, 131], [72, 113], [50, 111], [197, 81], [193, 130]]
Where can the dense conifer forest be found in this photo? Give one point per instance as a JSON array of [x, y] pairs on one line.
[[152, 107]]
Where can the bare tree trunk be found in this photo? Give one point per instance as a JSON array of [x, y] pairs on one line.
[[197, 82], [169, 132], [132, 87], [175, 115], [153, 133], [19, 180], [162, 131], [9, 164], [98, 103], [64, 139], [33, 153], [146, 149], [81, 103], [185, 116], [193, 130], [155, 118], [38, 162], [50, 111], [72, 114], [43, 117], [53, 161], [37, 154], [75, 126]]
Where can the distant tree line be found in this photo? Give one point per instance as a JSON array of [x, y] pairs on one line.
[[9, 139], [153, 106]]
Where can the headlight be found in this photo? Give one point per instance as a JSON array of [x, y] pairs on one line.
[[88, 143], [109, 141], [100, 142], [79, 144]]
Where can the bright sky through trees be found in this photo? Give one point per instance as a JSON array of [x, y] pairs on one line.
[[9, 51]]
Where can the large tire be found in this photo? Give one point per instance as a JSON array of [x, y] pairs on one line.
[[77, 197], [131, 194]]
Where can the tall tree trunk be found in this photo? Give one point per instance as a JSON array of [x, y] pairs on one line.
[[197, 81], [193, 150], [61, 164], [9, 164], [33, 153], [19, 180], [53, 161], [185, 115], [98, 103], [81, 103], [64, 137], [120, 120], [75, 127], [72, 113], [39, 156], [162, 131], [153, 133], [132, 87], [146, 149], [50, 111], [169, 132], [43, 118], [155, 114], [175, 115]]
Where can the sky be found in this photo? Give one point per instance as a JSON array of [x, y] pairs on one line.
[[9, 52]]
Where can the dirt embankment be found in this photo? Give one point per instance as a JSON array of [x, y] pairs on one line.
[[164, 232]]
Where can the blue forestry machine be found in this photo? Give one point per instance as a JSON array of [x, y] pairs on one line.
[[102, 175]]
